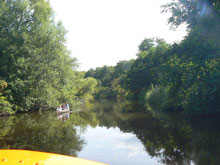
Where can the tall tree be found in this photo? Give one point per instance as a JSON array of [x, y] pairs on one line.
[[34, 60]]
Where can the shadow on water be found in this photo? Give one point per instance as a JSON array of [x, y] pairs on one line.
[[43, 132], [174, 139], [190, 139]]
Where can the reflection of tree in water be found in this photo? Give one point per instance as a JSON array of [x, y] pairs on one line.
[[187, 139], [174, 139], [64, 116], [44, 133]]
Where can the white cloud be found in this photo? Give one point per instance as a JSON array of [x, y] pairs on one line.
[[112, 146], [129, 149], [122, 144]]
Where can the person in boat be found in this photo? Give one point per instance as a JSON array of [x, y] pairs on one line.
[[67, 106], [59, 108], [63, 106]]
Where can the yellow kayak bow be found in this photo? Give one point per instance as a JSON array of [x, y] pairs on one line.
[[24, 157]]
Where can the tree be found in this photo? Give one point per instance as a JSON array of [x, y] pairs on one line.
[[34, 60], [122, 67], [5, 106], [192, 75], [145, 69], [196, 13]]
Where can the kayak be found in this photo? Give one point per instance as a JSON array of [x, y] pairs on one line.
[[25, 157], [63, 111]]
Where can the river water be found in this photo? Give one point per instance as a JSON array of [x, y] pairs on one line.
[[116, 134]]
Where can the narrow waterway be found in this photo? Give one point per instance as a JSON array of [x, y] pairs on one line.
[[112, 133]]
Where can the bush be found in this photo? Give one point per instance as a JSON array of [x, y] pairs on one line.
[[5, 106], [104, 92], [158, 100]]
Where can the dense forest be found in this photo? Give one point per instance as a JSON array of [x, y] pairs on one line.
[[179, 77], [36, 70]]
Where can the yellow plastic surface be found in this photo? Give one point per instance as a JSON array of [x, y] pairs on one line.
[[24, 157]]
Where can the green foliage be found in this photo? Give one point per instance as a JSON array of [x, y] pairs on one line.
[[186, 74], [34, 60], [104, 92], [122, 67], [146, 69], [5, 106], [86, 88], [196, 13], [117, 86], [158, 99], [192, 74], [189, 71], [3, 85], [104, 75], [111, 80]]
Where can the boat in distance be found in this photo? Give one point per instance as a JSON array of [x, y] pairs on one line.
[[63, 111]]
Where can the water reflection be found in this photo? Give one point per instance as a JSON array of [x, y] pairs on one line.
[[63, 116], [174, 139], [112, 146], [112, 133], [42, 132]]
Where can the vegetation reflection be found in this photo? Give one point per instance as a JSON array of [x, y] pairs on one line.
[[174, 139], [43, 132]]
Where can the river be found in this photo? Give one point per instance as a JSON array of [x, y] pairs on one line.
[[116, 134]]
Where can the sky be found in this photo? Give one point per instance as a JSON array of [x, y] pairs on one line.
[[104, 32], [112, 146]]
